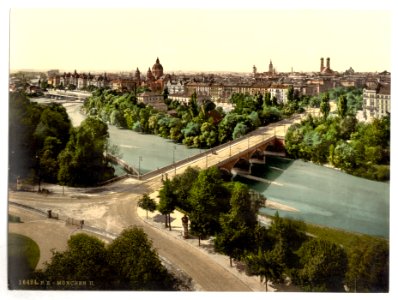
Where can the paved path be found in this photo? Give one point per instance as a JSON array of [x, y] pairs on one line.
[[47, 233]]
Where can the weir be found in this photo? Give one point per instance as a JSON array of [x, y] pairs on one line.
[[259, 179]]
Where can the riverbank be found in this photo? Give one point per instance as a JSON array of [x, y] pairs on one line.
[[279, 206]]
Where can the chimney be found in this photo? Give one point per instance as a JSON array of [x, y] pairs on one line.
[[322, 66], [328, 63]]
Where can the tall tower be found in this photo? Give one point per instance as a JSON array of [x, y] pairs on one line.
[[137, 76], [322, 65], [270, 67], [254, 70], [149, 75], [328, 63]]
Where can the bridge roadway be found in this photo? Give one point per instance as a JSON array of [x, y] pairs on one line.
[[112, 208]]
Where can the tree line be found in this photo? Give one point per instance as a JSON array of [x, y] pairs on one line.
[[227, 211], [195, 124], [358, 148], [43, 145]]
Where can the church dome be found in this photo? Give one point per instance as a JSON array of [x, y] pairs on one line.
[[157, 69]]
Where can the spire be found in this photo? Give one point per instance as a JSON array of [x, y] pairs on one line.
[[157, 60]]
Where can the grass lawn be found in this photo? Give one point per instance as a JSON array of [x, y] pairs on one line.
[[23, 256], [340, 237]]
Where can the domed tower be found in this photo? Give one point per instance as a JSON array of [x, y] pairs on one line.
[[157, 69]]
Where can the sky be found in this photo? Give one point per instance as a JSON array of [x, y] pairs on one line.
[[205, 39]]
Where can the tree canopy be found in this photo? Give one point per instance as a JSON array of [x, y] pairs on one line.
[[128, 263]]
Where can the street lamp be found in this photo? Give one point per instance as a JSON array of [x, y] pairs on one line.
[[174, 162], [38, 170], [139, 166]]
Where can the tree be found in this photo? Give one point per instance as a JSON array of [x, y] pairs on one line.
[[238, 225], [265, 265], [82, 162], [368, 268], [85, 259], [209, 199], [166, 95], [342, 106], [147, 203], [290, 94], [135, 264], [323, 266], [239, 130], [267, 99], [182, 184], [286, 237], [325, 105], [167, 201], [193, 105]]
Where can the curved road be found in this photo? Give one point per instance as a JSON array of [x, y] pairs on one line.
[[113, 211]]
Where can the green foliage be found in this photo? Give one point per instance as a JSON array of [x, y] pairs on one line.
[[238, 225], [325, 105], [287, 237], [167, 202], [368, 268], [194, 125], [128, 263], [361, 149], [239, 131], [342, 106], [324, 265], [266, 265], [37, 135], [135, 265], [209, 198], [85, 259], [147, 203], [182, 184], [82, 162]]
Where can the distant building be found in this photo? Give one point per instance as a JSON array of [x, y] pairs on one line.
[[326, 70], [153, 99], [376, 100], [279, 91]]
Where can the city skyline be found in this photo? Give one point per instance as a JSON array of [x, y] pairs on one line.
[[208, 40]]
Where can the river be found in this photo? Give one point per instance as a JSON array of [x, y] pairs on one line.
[[324, 196], [321, 195]]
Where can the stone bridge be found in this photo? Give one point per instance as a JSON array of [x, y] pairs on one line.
[[255, 154]]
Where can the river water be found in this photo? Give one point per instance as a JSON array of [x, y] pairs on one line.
[[321, 195], [324, 196]]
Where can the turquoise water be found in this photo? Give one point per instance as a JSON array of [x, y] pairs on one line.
[[324, 196], [155, 152]]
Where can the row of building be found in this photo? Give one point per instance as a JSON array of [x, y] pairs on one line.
[[219, 88]]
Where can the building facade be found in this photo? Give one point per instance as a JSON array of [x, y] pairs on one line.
[[376, 101]]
